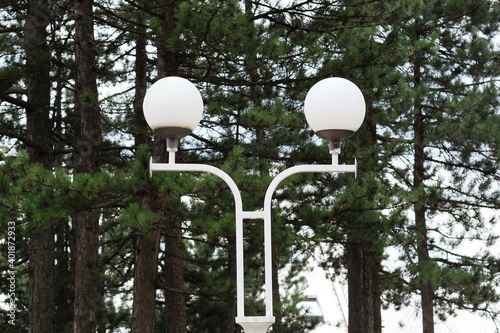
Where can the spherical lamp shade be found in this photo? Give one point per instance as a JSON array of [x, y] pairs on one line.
[[173, 107], [334, 108]]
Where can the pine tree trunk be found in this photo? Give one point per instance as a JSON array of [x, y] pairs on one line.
[[64, 269], [426, 290], [371, 268], [374, 269], [356, 301], [363, 289], [41, 245], [166, 61], [86, 223], [145, 268], [64, 277], [86, 272], [86, 101], [363, 258], [146, 245], [38, 122], [175, 303], [41, 281], [141, 60]]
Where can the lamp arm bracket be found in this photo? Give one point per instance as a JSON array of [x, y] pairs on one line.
[[239, 215]]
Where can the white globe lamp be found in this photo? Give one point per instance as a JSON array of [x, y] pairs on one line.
[[334, 109], [173, 107]]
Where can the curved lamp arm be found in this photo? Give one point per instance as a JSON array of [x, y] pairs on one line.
[[252, 324], [238, 205], [267, 213]]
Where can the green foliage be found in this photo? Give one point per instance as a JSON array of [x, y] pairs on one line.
[[134, 217], [253, 62]]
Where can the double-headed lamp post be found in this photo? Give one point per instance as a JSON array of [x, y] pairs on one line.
[[334, 109]]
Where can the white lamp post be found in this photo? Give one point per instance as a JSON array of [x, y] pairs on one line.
[[334, 109]]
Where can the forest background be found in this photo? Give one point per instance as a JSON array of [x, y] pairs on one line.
[[93, 244]]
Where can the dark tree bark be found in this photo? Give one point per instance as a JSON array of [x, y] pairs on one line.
[[65, 267], [86, 223], [355, 292], [363, 289], [146, 268], [175, 303], [38, 124], [41, 281], [86, 272], [64, 278], [146, 245], [364, 246], [426, 289], [86, 101], [140, 68], [375, 293], [41, 246], [167, 58]]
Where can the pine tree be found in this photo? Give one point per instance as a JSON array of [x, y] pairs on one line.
[[447, 83], [346, 47]]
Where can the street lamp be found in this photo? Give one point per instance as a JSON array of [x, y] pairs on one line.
[[334, 108]]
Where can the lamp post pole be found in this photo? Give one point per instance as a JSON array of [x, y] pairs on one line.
[[334, 89]]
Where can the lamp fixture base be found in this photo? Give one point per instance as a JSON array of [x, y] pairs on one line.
[[257, 324], [172, 132], [335, 134]]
